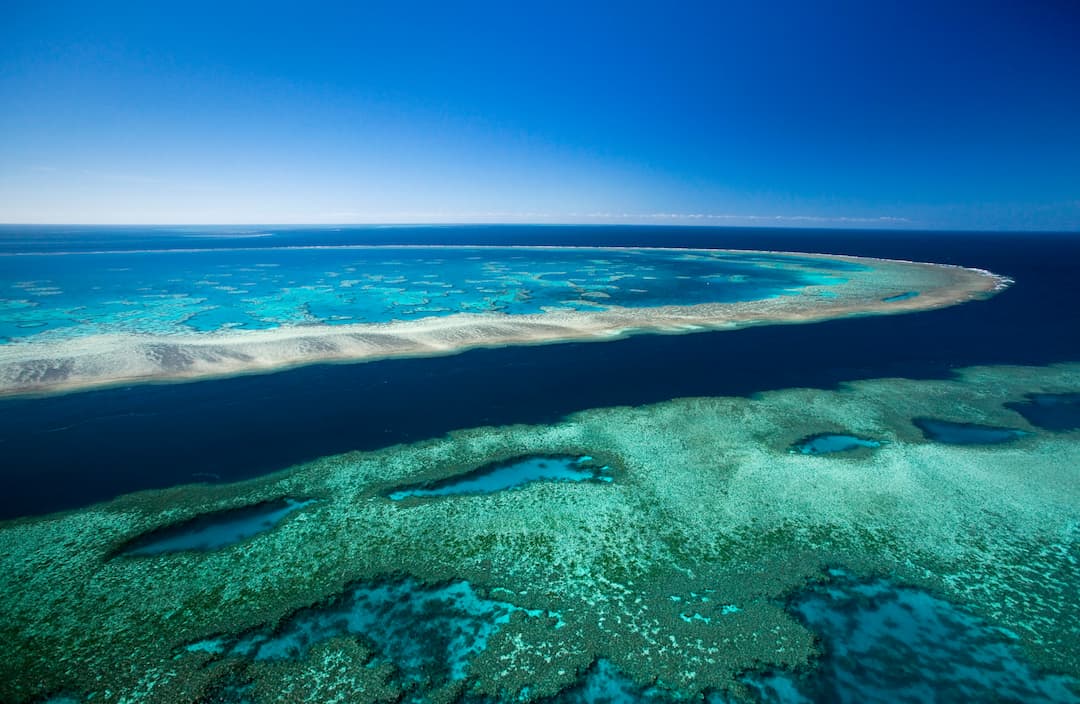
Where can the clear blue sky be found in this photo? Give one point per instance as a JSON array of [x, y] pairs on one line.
[[951, 115]]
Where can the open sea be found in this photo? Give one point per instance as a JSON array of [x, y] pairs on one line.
[[71, 450]]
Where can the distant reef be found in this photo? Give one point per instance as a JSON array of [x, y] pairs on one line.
[[828, 286]]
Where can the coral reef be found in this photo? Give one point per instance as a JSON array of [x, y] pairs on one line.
[[678, 572]]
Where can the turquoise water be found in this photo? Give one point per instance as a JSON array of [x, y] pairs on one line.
[[604, 684], [966, 433], [884, 643], [216, 530], [827, 443], [509, 475], [202, 290]]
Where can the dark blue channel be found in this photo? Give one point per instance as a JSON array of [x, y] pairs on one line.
[[69, 451], [1054, 412], [828, 443], [952, 433]]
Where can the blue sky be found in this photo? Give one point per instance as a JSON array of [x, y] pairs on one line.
[[907, 114]]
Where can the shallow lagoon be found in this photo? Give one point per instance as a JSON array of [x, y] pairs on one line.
[[828, 443], [205, 290], [511, 474], [214, 531]]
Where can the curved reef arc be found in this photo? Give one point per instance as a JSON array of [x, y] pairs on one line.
[[801, 288]]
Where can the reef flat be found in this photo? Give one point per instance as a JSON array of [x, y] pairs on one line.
[[83, 319], [679, 573]]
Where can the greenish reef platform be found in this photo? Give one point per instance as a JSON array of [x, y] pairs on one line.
[[706, 498]]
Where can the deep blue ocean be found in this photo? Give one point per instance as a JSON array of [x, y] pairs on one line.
[[68, 451]]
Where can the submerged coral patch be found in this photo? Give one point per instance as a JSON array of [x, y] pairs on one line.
[[905, 296], [1054, 412], [603, 683], [428, 632], [511, 474], [953, 433], [826, 443], [887, 643], [213, 531]]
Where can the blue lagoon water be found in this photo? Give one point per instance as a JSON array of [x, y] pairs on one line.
[[508, 475], [828, 443], [214, 531]]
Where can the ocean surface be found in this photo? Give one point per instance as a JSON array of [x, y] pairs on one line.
[[67, 451], [877, 508]]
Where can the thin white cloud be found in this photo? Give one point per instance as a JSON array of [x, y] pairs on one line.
[[358, 217], [771, 218], [345, 216], [119, 177]]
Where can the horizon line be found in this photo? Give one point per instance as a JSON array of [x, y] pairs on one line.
[[787, 225]]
